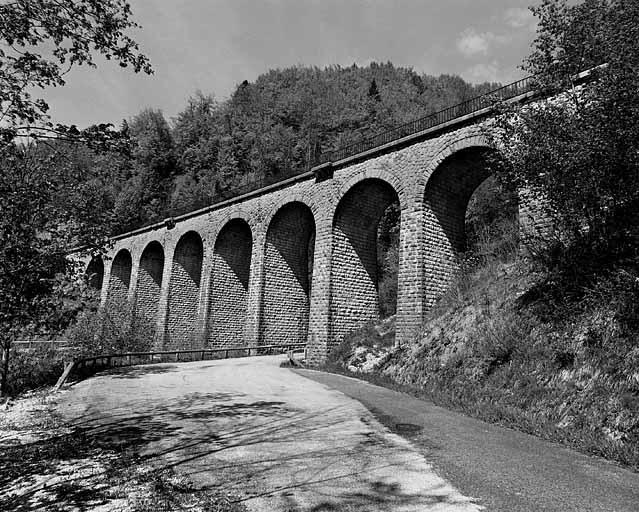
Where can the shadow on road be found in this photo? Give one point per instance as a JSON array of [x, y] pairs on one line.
[[196, 435], [133, 372]]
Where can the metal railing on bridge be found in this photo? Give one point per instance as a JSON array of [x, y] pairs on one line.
[[253, 183], [471, 106]]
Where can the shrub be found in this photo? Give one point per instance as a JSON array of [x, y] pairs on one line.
[[110, 331], [34, 368]]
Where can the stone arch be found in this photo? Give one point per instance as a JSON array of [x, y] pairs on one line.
[[234, 213], [288, 267], [149, 282], [184, 291], [379, 174], [316, 206], [448, 149], [120, 278], [94, 273], [230, 272], [354, 271], [447, 193]]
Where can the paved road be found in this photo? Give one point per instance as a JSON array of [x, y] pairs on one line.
[[286, 443], [508, 471]]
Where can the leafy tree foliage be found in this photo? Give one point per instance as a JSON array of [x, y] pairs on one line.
[[271, 128], [143, 196], [51, 199], [577, 154], [42, 40], [267, 130]]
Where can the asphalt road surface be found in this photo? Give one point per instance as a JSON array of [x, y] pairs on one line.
[[247, 426], [305, 441], [506, 470]]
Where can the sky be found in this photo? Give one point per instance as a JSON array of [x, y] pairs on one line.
[[213, 45]]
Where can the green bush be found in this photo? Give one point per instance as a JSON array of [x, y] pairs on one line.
[[110, 331], [93, 333], [34, 368]]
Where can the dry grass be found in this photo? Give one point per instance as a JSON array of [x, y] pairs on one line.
[[497, 349]]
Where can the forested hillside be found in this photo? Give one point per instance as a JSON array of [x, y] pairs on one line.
[[267, 129]]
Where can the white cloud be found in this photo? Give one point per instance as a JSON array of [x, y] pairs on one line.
[[518, 17], [471, 42], [484, 72]]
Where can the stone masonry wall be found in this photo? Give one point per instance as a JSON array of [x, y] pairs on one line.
[[286, 294], [120, 278], [354, 294], [446, 199], [149, 284], [432, 178], [230, 270], [184, 293]]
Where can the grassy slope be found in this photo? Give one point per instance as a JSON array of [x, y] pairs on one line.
[[570, 377]]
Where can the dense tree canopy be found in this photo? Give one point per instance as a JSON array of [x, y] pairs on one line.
[[267, 130], [578, 151], [51, 182]]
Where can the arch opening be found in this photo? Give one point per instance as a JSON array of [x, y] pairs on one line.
[[230, 272], [119, 279], [288, 275], [365, 255], [94, 274], [184, 292], [467, 212], [149, 283]]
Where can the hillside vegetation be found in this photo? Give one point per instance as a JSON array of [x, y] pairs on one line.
[[541, 333], [504, 346], [267, 130]]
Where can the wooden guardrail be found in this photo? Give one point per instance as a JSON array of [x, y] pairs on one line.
[[100, 362]]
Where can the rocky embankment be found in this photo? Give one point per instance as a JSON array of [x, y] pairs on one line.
[[490, 351]]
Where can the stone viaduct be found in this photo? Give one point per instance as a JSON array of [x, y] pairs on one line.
[[296, 261]]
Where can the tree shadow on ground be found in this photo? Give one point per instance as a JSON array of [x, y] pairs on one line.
[[134, 372], [199, 436], [67, 463]]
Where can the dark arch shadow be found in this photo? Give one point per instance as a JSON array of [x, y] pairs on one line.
[[234, 245], [149, 283], [450, 188], [120, 277], [288, 263], [184, 292], [354, 264], [188, 255], [94, 274], [446, 198], [230, 273]]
